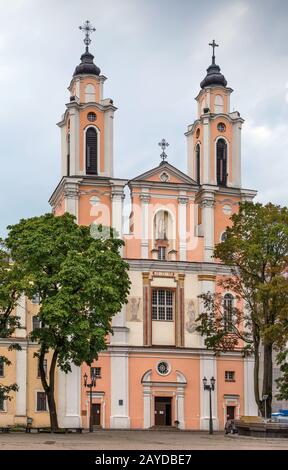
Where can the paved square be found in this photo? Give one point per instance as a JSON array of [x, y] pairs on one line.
[[138, 440]]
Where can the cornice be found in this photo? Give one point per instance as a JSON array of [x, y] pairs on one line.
[[178, 266]]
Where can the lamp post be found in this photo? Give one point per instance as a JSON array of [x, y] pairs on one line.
[[90, 385], [211, 388]]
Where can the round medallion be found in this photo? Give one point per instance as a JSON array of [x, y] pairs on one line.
[[221, 127], [91, 116], [163, 368], [164, 177]]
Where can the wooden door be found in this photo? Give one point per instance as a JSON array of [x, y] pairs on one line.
[[96, 414]]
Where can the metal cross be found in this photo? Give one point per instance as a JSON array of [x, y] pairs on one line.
[[213, 45], [163, 144], [87, 29]]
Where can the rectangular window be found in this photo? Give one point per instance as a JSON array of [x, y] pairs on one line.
[[36, 323], [96, 372], [162, 305], [1, 367], [162, 253], [228, 312], [41, 401], [229, 376], [45, 368]]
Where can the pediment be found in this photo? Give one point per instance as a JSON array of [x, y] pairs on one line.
[[165, 173]]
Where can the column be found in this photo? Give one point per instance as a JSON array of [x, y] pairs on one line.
[[207, 205], [145, 199], [182, 224], [119, 418]]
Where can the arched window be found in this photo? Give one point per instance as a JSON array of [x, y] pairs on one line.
[[68, 155], [89, 93], [221, 157], [198, 163], [218, 104], [228, 312], [91, 151]]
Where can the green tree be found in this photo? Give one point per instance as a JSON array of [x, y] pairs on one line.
[[82, 282], [10, 289], [256, 250]]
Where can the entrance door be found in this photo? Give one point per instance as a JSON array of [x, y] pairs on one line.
[[96, 414], [230, 412], [162, 411]]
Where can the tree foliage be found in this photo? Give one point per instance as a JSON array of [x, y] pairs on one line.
[[82, 282], [256, 251], [10, 289]]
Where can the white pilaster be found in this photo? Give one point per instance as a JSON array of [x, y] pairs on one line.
[[71, 195], [145, 198], [182, 224], [119, 418], [206, 151], [69, 397], [117, 210], [21, 380], [207, 205], [74, 141], [190, 156], [250, 406], [236, 155], [208, 369], [147, 407], [63, 151], [21, 314], [108, 142]]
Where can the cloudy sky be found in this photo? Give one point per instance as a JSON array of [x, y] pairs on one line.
[[154, 53]]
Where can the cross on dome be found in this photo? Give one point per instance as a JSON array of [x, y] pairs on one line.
[[213, 45], [163, 144], [87, 29]]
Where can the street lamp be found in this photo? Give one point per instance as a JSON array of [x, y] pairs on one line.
[[90, 385], [211, 388]]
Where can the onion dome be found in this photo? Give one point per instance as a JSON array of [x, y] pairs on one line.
[[214, 75], [87, 65]]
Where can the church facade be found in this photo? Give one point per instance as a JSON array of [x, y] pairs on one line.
[[153, 369], [152, 372]]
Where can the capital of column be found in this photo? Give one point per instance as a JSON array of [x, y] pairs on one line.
[[183, 200], [117, 195], [210, 203], [145, 198]]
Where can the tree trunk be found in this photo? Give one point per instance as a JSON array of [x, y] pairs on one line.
[[267, 380], [49, 388], [256, 375], [52, 411]]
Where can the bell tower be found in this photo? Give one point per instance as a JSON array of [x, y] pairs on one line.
[[87, 124], [214, 139], [87, 188]]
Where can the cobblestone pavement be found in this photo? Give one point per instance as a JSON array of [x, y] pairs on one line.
[[138, 440]]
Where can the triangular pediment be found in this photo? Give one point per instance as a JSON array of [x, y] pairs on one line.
[[165, 173]]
